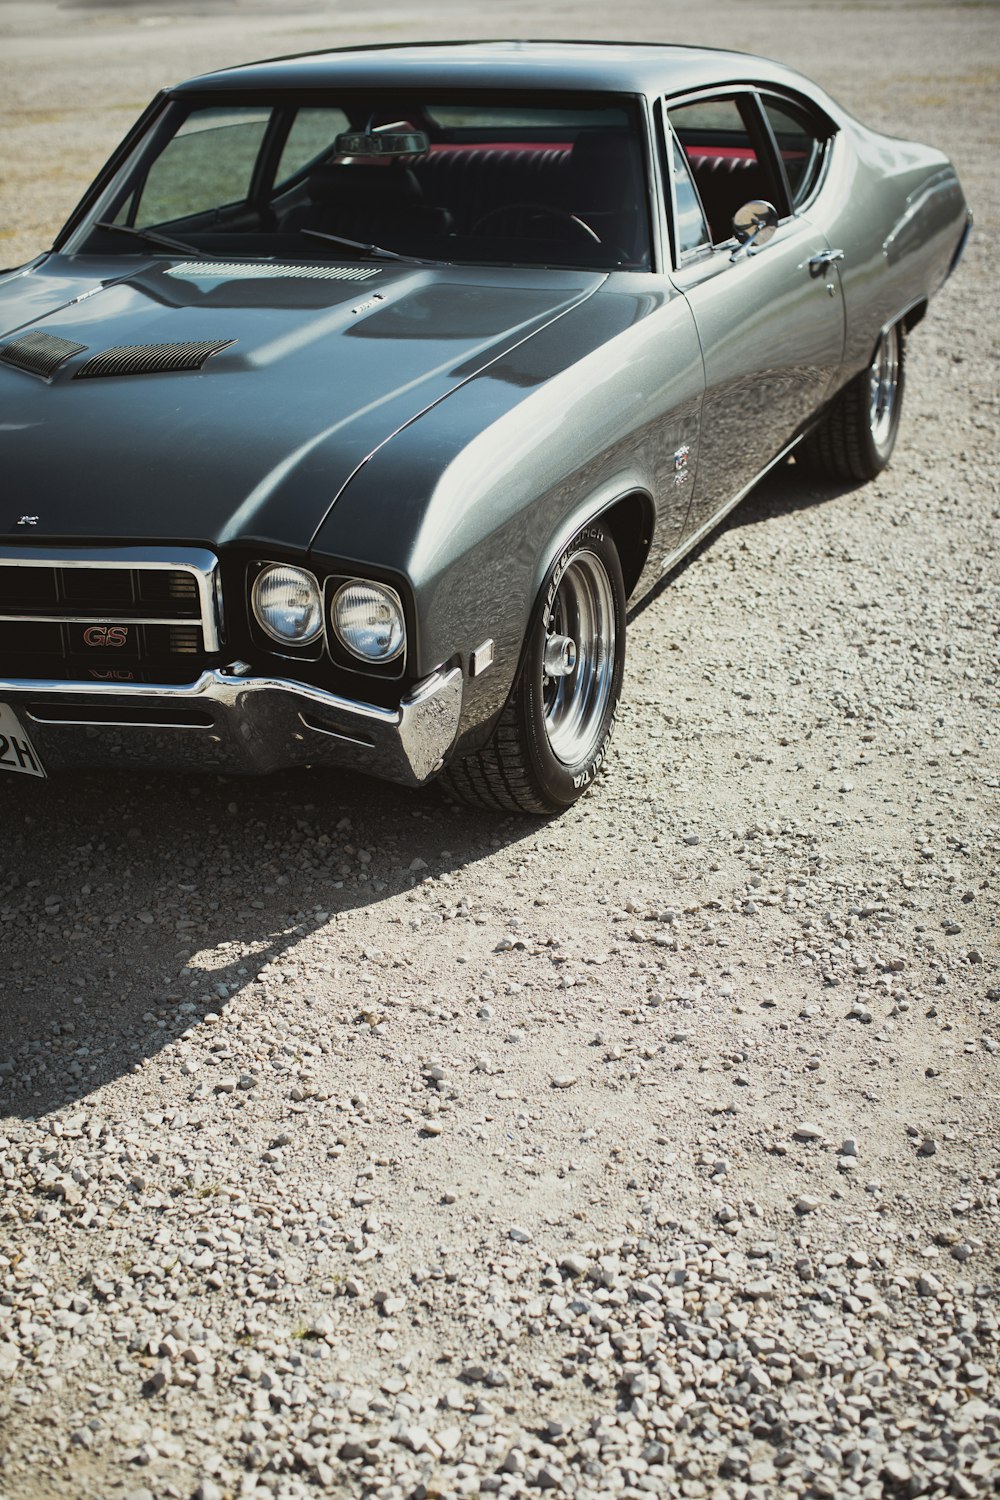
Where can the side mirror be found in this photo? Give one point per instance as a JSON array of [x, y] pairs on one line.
[[753, 225]]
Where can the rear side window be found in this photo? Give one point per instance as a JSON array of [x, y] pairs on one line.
[[800, 144]]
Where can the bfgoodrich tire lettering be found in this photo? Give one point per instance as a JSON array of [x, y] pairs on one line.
[[553, 735]]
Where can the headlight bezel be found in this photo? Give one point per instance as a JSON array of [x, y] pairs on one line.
[[340, 646], [310, 645], [327, 647]]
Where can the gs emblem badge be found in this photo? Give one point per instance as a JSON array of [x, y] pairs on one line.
[[105, 635]]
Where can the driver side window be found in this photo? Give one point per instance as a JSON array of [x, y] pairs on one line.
[[723, 159]]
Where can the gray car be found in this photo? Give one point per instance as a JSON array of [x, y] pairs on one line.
[[365, 390]]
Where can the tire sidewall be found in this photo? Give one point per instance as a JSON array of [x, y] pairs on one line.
[[879, 454], [559, 783]]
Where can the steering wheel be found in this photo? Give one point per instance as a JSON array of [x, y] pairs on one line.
[[525, 213]]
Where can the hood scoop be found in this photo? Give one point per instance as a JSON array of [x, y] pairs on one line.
[[39, 353], [239, 270], [151, 359]]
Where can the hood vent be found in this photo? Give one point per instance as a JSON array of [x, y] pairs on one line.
[[151, 359], [39, 353], [239, 270]]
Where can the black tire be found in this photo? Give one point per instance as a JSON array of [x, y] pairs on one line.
[[855, 439], [552, 737]]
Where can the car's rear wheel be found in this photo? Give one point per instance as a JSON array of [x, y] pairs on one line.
[[553, 735], [856, 437]]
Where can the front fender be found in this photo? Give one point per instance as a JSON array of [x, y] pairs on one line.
[[471, 504]]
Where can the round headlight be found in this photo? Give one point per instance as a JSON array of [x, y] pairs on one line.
[[288, 604], [368, 621]]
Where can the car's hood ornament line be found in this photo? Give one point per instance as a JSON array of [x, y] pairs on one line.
[[241, 270], [151, 359], [39, 353]]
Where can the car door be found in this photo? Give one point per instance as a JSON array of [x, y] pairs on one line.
[[770, 319]]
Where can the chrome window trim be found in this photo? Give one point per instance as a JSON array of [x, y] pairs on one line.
[[202, 565]]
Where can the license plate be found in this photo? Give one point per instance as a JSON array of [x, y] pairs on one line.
[[17, 753]]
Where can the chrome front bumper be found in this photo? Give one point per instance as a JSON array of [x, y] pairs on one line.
[[230, 723]]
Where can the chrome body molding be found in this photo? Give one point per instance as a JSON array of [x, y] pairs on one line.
[[226, 722], [198, 561]]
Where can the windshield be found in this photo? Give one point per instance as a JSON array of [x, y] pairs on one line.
[[461, 180]]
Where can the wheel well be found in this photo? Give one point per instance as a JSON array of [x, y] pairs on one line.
[[631, 523], [913, 317]]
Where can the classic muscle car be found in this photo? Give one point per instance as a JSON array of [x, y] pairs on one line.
[[364, 390]]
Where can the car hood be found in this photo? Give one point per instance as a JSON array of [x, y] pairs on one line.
[[290, 377]]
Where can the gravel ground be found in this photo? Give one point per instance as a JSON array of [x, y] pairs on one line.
[[355, 1142]]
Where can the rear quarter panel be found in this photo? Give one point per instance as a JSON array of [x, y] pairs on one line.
[[897, 210]]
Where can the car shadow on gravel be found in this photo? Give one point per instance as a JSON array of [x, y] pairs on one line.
[[783, 491], [133, 906], [787, 488]]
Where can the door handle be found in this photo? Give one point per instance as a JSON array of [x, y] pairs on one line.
[[819, 262]]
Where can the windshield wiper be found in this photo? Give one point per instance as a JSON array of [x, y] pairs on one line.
[[378, 252], [155, 239]]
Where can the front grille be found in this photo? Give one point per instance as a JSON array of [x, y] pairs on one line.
[[39, 353], [114, 624], [184, 640], [151, 359], [122, 591]]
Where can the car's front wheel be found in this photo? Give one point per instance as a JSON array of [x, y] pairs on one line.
[[855, 439], [553, 735]]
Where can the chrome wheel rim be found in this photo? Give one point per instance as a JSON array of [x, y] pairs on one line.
[[576, 700], [884, 385]]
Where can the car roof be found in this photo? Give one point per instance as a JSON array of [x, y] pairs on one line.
[[602, 67]]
